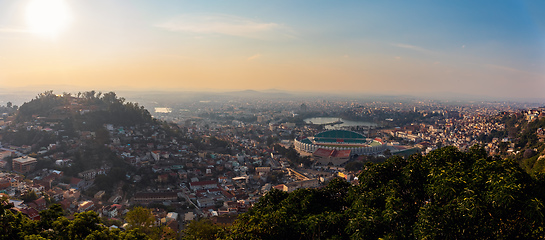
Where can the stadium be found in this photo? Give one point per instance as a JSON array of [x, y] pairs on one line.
[[340, 140]]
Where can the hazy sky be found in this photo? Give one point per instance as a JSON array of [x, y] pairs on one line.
[[489, 48]]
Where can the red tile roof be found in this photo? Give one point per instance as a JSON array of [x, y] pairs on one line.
[[320, 152]]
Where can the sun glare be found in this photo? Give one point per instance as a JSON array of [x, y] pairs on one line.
[[47, 17]]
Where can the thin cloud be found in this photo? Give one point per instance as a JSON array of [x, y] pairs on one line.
[[254, 57], [412, 47], [513, 70], [227, 25]]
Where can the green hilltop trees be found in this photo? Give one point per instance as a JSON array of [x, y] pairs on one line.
[[108, 108], [447, 194], [84, 226], [64, 109]]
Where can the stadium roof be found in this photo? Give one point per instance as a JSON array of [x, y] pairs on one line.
[[339, 134], [335, 136]]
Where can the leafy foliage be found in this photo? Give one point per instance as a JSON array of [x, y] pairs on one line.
[[142, 221], [45, 103], [302, 214], [53, 225], [140, 217], [203, 229], [525, 140], [108, 108], [447, 194], [31, 137]]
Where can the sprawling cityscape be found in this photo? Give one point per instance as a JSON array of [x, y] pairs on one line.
[[282, 119], [216, 159]]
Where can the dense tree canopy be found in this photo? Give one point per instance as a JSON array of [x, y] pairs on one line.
[[140, 217], [108, 108], [447, 194], [203, 229], [85, 225]]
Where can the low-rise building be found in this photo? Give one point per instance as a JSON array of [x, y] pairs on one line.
[[205, 202], [155, 196], [85, 206], [5, 154], [24, 164], [292, 186], [203, 185]]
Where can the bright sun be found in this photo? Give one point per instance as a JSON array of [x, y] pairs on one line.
[[47, 17]]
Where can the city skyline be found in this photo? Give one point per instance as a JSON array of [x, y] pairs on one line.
[[489, 49]]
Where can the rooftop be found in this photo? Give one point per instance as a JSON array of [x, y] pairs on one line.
[[340, 136], [25, 159]]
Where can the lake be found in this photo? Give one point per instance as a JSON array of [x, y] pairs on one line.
[[346, 123], [163, 110]]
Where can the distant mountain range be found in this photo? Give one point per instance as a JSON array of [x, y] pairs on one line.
[[19, 95]]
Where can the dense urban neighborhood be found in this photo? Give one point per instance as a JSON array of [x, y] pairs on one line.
[[214, 160]]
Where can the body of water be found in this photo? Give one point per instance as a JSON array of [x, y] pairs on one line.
[[345, 123], [163, 110]]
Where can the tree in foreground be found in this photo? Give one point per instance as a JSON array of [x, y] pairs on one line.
[[53, 225], [140, 217], [203, 229], [447, 194], [141, 220]]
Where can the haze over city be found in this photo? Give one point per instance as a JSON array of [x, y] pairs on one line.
[[489, 49], [274, 119]]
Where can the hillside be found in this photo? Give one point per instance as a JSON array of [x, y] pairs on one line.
[[39, 122], [89, 107], [522, 140], [73, 129]]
